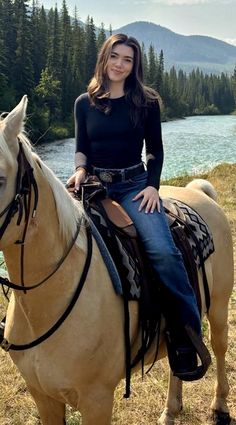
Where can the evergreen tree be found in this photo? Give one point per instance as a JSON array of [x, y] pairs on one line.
[[226, 97], [3, 78], [175, 108], [39, 39], [48, 92], [160, 73], [23, 68], [66, 61], [90, 49], [54, 53], [78, 57], [166, 95], [8, 39], [101, 37], [234, 86], [145, 63], [152, 67], [2, 45]]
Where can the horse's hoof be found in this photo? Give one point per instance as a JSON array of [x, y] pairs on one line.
[[166, 418], [220, 418]]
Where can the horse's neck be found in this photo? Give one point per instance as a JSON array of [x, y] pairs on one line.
[[42, 251]]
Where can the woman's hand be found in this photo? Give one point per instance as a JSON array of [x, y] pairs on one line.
[[74, 182], [150, 201]]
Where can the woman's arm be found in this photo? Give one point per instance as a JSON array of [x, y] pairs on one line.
[[154, 157], [154, 145], [81, 143]]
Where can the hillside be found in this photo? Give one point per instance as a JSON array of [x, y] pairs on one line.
[[185, 52]]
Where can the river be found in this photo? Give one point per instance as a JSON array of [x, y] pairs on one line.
[[191, 145]]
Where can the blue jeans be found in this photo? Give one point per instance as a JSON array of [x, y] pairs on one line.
[[161, 251]]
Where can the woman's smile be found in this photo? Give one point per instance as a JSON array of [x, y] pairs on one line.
[[120, 63]]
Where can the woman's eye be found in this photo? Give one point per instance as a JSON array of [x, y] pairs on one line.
[[2, 181]]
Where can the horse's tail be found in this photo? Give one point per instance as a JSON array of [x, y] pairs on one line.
[[204, 186]]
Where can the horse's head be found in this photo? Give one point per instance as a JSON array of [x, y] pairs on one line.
[[11, 128], [22, 173]]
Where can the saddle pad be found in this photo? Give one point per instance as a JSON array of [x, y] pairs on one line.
[[122, 247], [201, 231]]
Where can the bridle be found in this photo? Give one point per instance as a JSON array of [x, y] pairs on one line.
[[21, 202], [21, 205]]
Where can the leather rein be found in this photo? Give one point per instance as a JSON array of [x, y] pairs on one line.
[[21, 204]]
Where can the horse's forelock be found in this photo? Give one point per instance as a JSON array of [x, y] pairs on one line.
[[5, 152]]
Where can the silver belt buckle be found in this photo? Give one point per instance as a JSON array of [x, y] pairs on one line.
[[105, 176]]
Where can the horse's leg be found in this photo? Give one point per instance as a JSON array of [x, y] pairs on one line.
[[173, 402], [218, 318], [51, 411], [95, 406]]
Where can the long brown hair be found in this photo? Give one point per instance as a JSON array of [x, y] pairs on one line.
[[138, 95]]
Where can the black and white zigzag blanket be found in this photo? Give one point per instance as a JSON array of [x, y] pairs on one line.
[[200, 230]]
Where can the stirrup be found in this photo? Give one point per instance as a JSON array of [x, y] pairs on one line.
[[201, 351]]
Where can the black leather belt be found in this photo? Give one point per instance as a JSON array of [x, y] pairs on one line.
[[116, 176]]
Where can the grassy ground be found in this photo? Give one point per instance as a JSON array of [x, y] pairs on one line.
[[148, 396]]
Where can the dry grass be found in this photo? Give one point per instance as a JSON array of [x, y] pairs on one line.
[[148, 396]]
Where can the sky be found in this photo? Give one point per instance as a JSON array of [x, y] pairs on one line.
[[214, 18]]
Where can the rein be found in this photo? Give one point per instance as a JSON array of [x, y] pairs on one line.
[[6, 346]]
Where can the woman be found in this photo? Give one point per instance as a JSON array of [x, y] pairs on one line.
[[112, 120]]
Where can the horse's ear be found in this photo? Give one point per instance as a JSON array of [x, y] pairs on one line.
[[14, 121]]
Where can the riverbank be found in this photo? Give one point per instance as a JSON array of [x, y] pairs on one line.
[[58, 131], [148, 395]]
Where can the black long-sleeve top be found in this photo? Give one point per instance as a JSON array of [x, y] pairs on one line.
[[112, 141]]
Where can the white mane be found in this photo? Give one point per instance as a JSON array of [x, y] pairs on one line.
[[69, 211]]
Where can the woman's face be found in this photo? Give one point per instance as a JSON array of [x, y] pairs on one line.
[[120, 63]]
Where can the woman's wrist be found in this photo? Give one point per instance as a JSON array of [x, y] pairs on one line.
[[81, 167]]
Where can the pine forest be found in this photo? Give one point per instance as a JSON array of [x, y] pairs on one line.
[[51, 56]]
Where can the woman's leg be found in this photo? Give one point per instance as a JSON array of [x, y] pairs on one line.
[[161, 251], [178, 303], [167, 262]]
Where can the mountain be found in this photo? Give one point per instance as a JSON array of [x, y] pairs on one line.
[[186, 52]]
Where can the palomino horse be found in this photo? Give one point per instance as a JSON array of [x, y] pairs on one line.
[[45, 241]]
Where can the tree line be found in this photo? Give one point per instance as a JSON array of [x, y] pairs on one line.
[[51, 57]]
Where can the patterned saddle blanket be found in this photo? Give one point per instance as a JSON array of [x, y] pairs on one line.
[[199, 237]]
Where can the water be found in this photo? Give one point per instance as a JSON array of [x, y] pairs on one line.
[[197, 144], [192, 145]]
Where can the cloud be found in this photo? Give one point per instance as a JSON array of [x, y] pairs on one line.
[[230, 41]]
